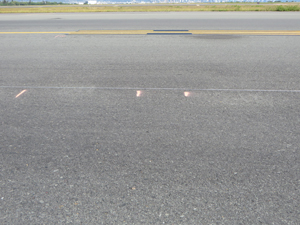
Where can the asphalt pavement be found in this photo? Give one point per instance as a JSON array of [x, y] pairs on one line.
[[149, 129]]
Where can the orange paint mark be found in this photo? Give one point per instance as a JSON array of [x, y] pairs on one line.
[[20, 93], [138, 93], [187, 93]]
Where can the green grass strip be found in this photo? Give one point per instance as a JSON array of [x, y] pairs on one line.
[[151, 8]]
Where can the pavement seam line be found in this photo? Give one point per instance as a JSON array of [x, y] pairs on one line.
[[145, 32], [139, 88]]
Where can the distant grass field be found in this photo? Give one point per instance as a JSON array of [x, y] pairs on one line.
[[152, 8]]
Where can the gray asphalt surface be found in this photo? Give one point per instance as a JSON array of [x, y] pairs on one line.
[[137, 129], [166, 20]]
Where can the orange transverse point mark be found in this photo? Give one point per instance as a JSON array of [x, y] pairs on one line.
[[20, 93], [187, 93], [138, 93]]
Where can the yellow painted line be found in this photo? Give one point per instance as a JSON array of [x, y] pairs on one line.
[[112, 32], [132, 32]]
